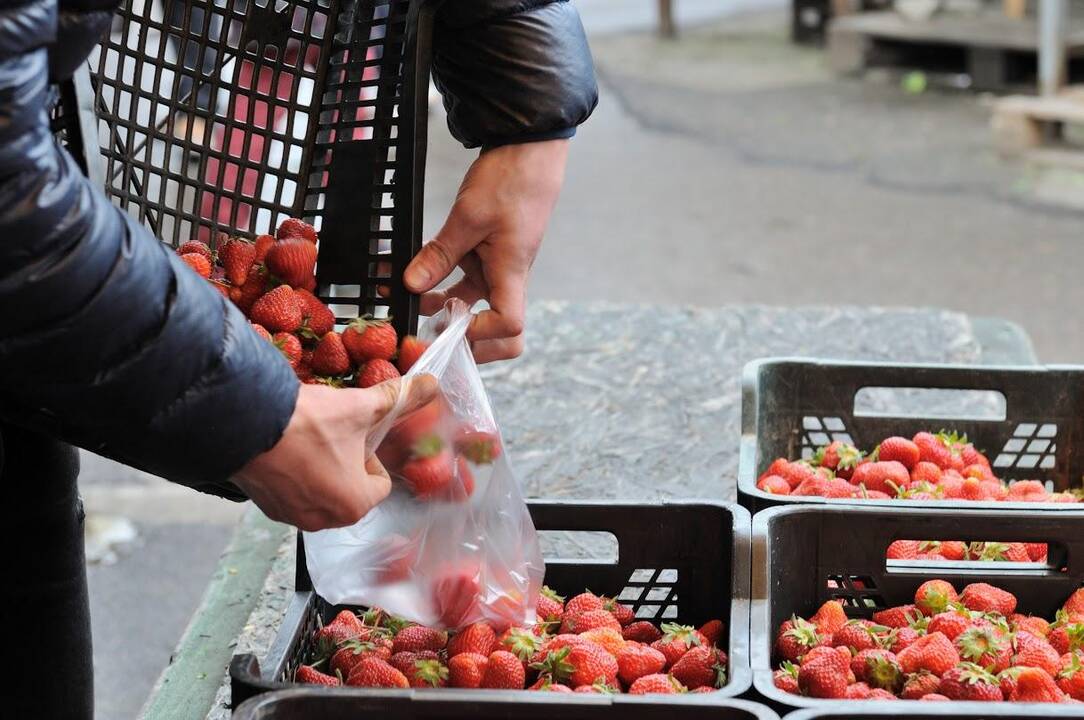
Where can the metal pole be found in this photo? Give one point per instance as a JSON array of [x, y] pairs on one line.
[[1053, 22], [666, 19]]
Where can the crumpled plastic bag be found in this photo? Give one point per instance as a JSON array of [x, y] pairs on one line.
[[454, 543]]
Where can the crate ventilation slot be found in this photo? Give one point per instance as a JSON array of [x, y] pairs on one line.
[[817, 431], [857, 593], [1032, 446], [652, 593]]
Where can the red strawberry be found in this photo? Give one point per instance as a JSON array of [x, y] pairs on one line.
[[345, 626], [926, 472], [1070, 678], [857, 635], [263, 244], [902, 550], [352, 652], [589, 621], [1036, 551], [289, 346], [550, 608], [598, 689], [795, 473], [430, 471], [293, 261], [369, 339], [404, 661], [970, 456], [887, 477], [237, 256], [1034, 651], [609, 638], [374, 672], [410, 349], [199, 263], [521, 642], [641, 631], [968, 681], [455, 595], [676, 641], [897, 617], [986, 647], [933, 448], [786, 678], [953, 550], [1034, 625], [278, 310], [949, 623], [415, 638], [773, 484], [934, 653], [479, 446], [919, 684], [1066, 638], [712, 631], [824, 676], [899, 449], [703, 666], [312, 676], [987, 598], [637, 660], [933, 596], [1005, 552], [374, 372], [198, 247], [776, 468], [466, 670], [1035, 685], [878, 668], [503, 671], [478, 638], [295, 228], [796, 637], [829, 617], [1074, 606], [584, 602], [317, 317], [427, 673], [261, 331], [591, 663], [900, 638], [254, 288], [657, 684], [839, 457], [329, 357], [857, 691]]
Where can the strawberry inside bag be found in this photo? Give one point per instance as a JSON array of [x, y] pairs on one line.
[[453, 544]]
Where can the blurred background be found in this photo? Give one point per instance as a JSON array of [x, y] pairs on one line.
[[741, 152]]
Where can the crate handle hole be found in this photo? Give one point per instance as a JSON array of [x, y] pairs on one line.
[[982, 557], [579, 546], [930, 403]]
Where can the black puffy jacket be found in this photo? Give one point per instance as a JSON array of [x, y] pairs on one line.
[[107, 340]]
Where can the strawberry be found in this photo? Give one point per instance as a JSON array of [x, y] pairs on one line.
[[953, 550], [926, 472], [935, 449], [278, 310], [702, 666], [878, 668], [637, 660], [550, 609], [970, 456], [986, 647], [415, 638], [1070, 677], [374, 372], [934, 653], [829, 617], [482, 448], [312, 676], [295, 228], [934, 697], [1074, 606], [933, 596], [373, 672], [884, 476], [776, 468], [544, 684], [598, 689], [263, 245], [589, 621], [521, 642], [1023, 488], [427, 673], [478, 638], [404, 661], [1034, 625], [1037, 552], [503, 671], [1067, 637], [455, 594], [329, 357], [795, 473], [293, 261], [641, 631], [917, 685], [968, 681], [902, 550], [1004, 552], [345, 626], [774, 485], [987, 598], [369, 339], [857, 635], [430, 470], [1034, 651], [199, 248], [607, 637], [899, 449], [712, 631], [796, 637], [352, 652], [824, 676], [466, 670], [839, 457], [949, 623], [590, 663], [657, 684], [262, 331], [584, 602], [317, 318], [289, 346], [786, 678], [857, 691], [199, 263], [676, 641], [897, 617], [237, 256], [410, 349], [900, 638], [254, 288], [1035, 685]]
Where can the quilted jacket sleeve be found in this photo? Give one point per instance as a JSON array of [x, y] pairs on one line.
[[108, 340], [513, 70]]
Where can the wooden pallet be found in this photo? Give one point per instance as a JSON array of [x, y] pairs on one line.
[[998, 52], [1033, 127]]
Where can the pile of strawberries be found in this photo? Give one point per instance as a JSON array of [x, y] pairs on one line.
[[942, 466], [971, 645], [272, 279], [590, 644], [968, 551]]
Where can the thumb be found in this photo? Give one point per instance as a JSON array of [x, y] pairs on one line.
[[418, 389], [437, 258]]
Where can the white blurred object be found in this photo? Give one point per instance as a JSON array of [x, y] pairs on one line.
[[103, 534], [918, 10]]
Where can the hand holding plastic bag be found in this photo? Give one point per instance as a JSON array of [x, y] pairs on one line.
[[454, 543]]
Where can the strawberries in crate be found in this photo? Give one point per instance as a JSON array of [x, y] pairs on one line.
[[968, 645], [376, 649]]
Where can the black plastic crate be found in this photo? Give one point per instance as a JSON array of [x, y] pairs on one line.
[[806, 555], [228, 116], [314, 704], [685, 562], [938, 710], [1028, 420]]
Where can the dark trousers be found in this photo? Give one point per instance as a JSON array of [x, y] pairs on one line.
[[45, 607]]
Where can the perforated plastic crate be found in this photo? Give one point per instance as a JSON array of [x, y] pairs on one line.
[[1028, 420], [228, 116], [313, 704], [685, 562], [806, 555]]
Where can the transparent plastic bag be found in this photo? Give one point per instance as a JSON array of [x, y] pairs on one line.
[[454, 542]]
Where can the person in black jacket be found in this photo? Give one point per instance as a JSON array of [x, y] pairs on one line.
[[109, 342]]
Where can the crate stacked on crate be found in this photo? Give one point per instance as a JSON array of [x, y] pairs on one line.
[[677, 566]]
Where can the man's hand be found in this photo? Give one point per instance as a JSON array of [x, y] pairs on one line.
[[320, 474], [493, 233]]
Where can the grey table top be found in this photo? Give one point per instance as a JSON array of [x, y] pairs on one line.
[[644, 402]]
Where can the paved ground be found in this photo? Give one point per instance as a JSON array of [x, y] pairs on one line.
[[727, 167]]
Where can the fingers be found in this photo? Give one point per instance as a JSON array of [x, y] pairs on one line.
[[504, 319], [504, 349], [439, 256], [381, 398]]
